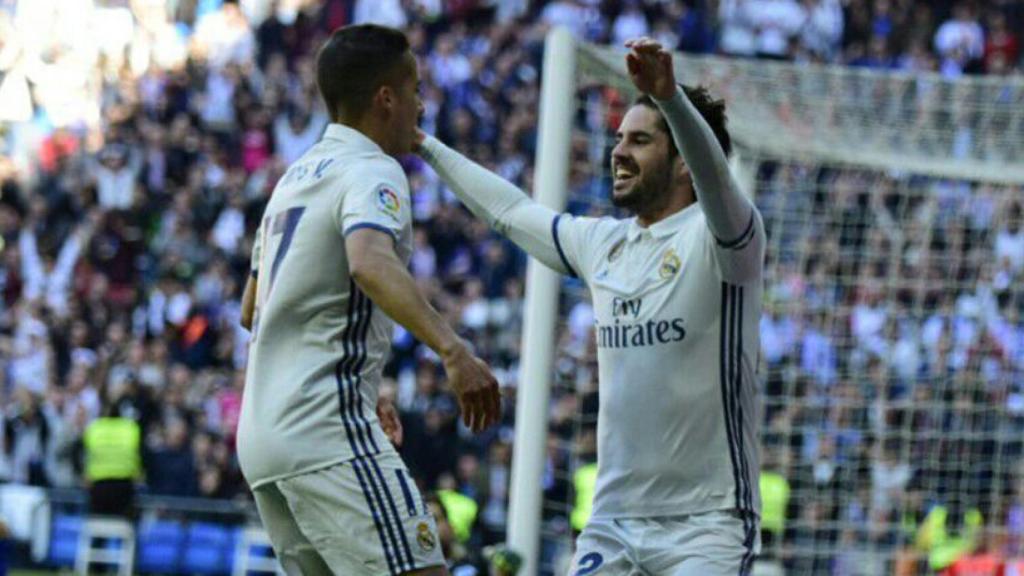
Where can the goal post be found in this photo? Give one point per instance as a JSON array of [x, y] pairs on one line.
[[558, 99]]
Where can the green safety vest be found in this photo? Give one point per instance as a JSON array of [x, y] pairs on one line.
[[585, 482], [943, 548], [112, 450], [774, 500], [460, 510]]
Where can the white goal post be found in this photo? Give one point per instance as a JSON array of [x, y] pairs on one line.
[[558, 96]]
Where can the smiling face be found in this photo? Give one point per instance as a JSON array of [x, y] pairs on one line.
[[644, 164]]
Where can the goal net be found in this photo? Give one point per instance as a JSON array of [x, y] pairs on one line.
[[892, 361]]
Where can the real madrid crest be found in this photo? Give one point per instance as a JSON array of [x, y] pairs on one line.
[[670, 264], [425, 537]]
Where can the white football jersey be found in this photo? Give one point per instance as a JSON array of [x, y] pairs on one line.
[[319, 344], [677, 355]]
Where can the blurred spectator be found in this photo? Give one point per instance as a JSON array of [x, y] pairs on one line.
[[295, 132], [113, 465], [630, 23], [889, 479], [170, 466], [776, 24], [383, 12], [1002, 45], [960, 41], [579, 16], [738, 35], [823, 29], [1010, 239], [225, 37]]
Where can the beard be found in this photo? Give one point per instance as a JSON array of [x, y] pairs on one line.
[[650, 190]]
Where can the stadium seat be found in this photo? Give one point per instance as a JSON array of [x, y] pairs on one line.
[[253, 553], [208, 549], [64, 530], [160, 546], [117, 548]]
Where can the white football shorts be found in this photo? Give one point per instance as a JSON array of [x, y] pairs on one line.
[[364, 516], [718, 543]]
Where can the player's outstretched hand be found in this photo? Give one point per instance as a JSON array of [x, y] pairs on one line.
[[650, 68], [389, 420], [475, 387]]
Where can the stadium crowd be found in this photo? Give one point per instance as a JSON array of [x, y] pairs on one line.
[[138, 153]]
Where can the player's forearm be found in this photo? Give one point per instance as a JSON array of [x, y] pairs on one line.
[[31, 263], [497, 201], [729, 213], [390, 286], [67, 259], [489, 196]]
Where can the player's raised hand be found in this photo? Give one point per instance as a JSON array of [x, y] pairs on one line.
[[475, 387], [650, 68], [389, 420]]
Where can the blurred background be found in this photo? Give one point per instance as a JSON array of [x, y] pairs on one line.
[[141, 139]]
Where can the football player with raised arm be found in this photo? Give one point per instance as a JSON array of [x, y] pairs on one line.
[[677, 298]]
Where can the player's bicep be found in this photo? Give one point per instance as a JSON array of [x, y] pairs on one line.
[[534, 228], [367, 248], [577, 239], [740, 259]]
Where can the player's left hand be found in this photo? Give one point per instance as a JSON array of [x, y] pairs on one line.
[[650, 68], [389, 421]]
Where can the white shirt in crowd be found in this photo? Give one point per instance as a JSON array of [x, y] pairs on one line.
[[823, 29], [867, 323], [1010, 247], [778, 337], [571, 15], [888, 481], [227, 37], [631, 23], [776, 22], [115, 186], [51, 285], [966, 35], [737, 31], [291, 144], [382, 12]]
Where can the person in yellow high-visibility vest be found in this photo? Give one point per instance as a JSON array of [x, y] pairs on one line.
[[584, 482], [943, 547], [460, 509], [774, 502], [113, 463]]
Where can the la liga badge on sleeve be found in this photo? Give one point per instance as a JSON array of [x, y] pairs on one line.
[[388, 201]]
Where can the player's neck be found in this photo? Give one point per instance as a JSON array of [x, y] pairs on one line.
[[675, 204], [367, 126]]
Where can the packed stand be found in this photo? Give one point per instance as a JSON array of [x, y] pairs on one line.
[[138, 154]]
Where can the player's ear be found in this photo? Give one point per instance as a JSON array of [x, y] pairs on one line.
[[680, 168], [385, 97]]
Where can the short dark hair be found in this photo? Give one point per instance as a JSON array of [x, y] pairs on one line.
[[711, 109], [354, 62]]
